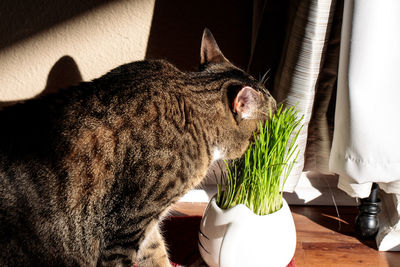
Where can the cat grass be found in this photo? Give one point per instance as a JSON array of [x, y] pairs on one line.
[[257, 179]]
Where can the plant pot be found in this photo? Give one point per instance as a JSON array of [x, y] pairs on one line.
[[238, 237]]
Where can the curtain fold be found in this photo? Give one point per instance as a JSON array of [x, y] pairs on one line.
[[297, 76], [320, 129]]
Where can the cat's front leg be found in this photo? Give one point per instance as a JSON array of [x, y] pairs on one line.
[[152, 251]]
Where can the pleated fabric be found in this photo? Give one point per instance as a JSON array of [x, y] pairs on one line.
[[366, 143], [302, 76]]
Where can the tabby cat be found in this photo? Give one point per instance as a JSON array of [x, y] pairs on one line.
[[86, 174]]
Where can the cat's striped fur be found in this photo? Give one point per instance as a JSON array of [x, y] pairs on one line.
[[86, 174]]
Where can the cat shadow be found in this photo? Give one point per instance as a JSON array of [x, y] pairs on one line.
[[64, 73]]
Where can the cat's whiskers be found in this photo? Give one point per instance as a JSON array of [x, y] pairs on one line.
[[264, 78], [264, 90]]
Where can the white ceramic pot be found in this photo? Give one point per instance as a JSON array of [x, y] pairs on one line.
[[239, 238]]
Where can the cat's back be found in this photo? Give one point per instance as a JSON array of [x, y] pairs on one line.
[[36, 118], [140, 75]]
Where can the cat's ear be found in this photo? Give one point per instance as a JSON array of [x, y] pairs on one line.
[[246, 102], [210, 52]]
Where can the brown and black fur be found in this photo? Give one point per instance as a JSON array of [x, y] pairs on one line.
[[87, 173]]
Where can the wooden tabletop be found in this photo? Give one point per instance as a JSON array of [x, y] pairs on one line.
[[323, 237]]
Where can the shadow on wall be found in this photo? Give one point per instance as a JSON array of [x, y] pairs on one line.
[[22, 19], [64, 73], [271, 24], [177, 27], [175, 32]]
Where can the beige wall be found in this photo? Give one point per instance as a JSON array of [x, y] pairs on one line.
[[46, 45], [41, 50]]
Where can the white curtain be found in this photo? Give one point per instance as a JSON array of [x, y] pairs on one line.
[[366, 143]]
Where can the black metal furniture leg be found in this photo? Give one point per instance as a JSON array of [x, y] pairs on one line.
[[367, 222]]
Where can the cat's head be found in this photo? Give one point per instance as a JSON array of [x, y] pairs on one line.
[[244, 101]]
